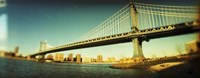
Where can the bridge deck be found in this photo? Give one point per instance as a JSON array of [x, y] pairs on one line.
[[165, 31]]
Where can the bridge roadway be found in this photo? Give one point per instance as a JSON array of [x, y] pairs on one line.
[[147, 34]]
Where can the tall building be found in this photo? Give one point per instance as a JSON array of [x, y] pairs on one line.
[[66, 59], [99, 58], [16, 51], [78, 58], [59, 57], [70, 57]]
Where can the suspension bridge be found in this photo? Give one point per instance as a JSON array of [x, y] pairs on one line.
[[135, 22]]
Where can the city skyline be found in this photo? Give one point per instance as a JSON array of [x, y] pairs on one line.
[[63, 23], [59, 57]]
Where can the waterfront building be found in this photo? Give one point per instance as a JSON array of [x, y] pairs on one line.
[[58, 57], [99, 58], [131, 60], [70, 57], [66, 59], [111, 59], [10, 54], [86, 59], [49, 58], [78, 58], [16, 51], [2, 53], [7, 54], [93, 60]]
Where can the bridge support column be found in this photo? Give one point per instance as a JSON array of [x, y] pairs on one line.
[[42, 45], [137, 43]]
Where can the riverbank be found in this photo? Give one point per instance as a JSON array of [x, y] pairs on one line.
[[87, 63], [188, 69], [169, 68], [146, 64]]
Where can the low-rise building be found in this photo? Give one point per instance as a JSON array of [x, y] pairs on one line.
[[49, 58], [99, 58], [111, 59]]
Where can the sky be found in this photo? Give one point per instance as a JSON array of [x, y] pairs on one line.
[[25, 23]]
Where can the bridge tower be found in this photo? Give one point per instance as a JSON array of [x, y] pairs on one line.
[[137, 42], [42, 45]]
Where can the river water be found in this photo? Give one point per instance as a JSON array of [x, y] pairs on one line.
[[11, 68]]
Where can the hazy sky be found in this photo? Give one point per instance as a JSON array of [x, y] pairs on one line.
[[62, 21]]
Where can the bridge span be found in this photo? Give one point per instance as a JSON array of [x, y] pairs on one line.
[[144, 35], [136, 22]]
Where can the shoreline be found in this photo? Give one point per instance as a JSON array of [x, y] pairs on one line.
[[17, 58], [20, 58], [171, 68], [146, 64]]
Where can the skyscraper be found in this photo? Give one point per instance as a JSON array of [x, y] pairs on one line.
[[59, 57], [99, 58], [78, 58], [70, 57], [16, 51]]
